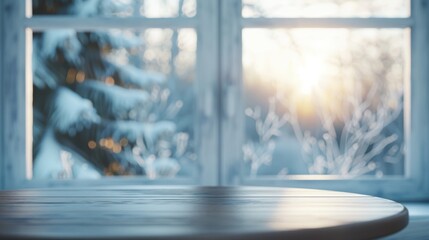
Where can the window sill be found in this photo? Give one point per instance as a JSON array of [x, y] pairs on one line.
[[418, 209], [419, 222]]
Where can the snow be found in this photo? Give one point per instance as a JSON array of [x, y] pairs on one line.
[[55, 161], [64, 39], [115, 39], [124, 129], [162, 167], [134, 130], [89, 8], [137, 77], [152, 145], [160, 129], [70, 113], [42, 76], [85, 8], [155, 130], [114, 102]]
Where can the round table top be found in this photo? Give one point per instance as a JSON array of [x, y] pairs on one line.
[[137, 212]]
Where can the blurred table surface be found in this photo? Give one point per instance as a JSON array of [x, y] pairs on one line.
[[139, 212]]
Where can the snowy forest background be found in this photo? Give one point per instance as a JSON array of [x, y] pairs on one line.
[[325, 101], [103, 100], [122, 102]]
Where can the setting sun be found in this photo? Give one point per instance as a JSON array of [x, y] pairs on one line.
[[325, 68], [309, 77]]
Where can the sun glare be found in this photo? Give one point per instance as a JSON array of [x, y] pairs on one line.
[[309, 77], [287, 66], [318, 70]]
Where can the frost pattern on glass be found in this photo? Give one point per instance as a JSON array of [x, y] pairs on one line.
[[115, 102], [117, 8], [325, 8], [324, 101]]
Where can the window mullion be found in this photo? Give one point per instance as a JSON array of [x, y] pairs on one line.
[[2, 142], [231, 94], [207, 91], [327, 22], [96, 23], [14, 100], [418, 97]]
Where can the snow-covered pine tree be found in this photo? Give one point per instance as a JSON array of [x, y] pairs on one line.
[[94, 116]]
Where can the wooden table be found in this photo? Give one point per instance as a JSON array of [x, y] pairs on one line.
[[196, 213]]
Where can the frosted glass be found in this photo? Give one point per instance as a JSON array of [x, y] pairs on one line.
[[325, 101], [325, 8], [117, 8], [114, 103]]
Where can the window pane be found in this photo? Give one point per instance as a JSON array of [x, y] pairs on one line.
[[325, 101], [116, 102], [116, 8], [325, 8]]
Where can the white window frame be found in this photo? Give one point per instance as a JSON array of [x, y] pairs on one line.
[[413, 186], [16, 137], [219, 97], [1, 95]]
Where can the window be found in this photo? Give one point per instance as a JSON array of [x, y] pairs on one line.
[[112, 90], [326, 94]]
